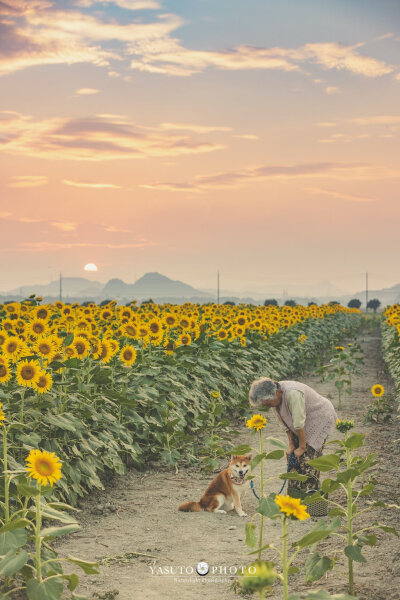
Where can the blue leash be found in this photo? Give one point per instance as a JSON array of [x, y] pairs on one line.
[[292, 464]]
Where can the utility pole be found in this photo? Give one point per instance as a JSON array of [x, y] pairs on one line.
[[60, 286], [217, 287], [366, 291]]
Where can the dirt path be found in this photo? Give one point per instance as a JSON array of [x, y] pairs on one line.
[[139, 514]]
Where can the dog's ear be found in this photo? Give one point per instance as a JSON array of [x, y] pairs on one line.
[[249, 456], [233, 457]]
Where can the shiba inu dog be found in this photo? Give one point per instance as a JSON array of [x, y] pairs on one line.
[[225, 490]]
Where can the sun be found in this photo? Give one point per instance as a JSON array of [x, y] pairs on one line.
[[90, 267]]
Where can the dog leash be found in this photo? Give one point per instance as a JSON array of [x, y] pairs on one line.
[[292, 464]]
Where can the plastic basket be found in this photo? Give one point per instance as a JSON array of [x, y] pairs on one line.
[[319, 508]]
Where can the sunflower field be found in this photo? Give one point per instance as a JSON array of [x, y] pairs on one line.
[[103, 387], [391, 341]]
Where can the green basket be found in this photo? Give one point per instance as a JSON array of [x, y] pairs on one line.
[[319, 508]]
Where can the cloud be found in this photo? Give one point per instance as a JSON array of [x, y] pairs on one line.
[[113, 229], [377, 120], [64, 226], [128, 4], [331, 89], [38, 33], [46, 37], [96, 186], [194, 127], [54, 246], [86, 91], [336, 194], [93, 139], [22, 7], [246, 136], [168, 56], [27, 181], [248, 175], [385, 36]]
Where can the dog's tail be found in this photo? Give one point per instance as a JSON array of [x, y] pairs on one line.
[[190, 507]]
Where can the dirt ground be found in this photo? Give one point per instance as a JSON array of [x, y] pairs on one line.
[[138, 513]]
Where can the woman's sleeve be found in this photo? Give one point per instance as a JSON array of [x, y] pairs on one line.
[[297, 407]]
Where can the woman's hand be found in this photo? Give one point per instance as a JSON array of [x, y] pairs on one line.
[[289, 452], [299, 452]]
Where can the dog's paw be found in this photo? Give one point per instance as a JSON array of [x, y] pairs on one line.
[[242, 514]]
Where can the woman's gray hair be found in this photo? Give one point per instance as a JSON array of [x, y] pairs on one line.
[[262, 389]]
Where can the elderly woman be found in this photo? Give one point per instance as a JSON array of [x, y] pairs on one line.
[[307, 417]]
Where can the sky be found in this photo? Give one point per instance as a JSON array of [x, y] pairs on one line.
[[259, 138]]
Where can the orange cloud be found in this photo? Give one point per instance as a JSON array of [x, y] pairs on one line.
[[91, 185], [194, 127], [87, 91], [92, 139], [234, 179], [27, 181], [53, 246], [336, 194], [64, 226]]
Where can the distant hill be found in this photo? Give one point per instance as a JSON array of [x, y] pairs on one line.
[[70, 285], [151, 285]]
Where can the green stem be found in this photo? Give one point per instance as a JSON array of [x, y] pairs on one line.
[[261, 593], [38, 540], [261, 496], [21, 418], [349, 523], [284, 560], [6, 478]]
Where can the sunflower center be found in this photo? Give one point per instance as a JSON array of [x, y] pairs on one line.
[[3, 370], [38, 328], [80, 347], [44, 467], [128, 354], [27, 373], [12, 346], [44, 349], [42, 382]]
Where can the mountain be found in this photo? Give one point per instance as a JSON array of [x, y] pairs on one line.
[[70, 286], [154, 285]]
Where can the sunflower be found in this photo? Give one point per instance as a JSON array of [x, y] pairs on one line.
[[215, 394], [43, 466], [344, 425], [143, 331], [44, 383], [2, 415], [154, 326], [256, 422], [5, 372], [45, 346], [3, 337], [222, 334], [130, 330], [81, 345], [28, 372], [339, 348], [170, 319], [38, 327], [106, 314], [106, 351], [169, 347], [128, 355], [184, 339], [59, 304], [114, 345], [377, 390], [42, 312], [292, 507], [70, 352], [12, 347], [11, 307], [8, 324]]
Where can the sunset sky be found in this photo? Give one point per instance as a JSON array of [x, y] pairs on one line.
[[257, 137]]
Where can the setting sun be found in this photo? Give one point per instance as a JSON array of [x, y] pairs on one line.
[[90, 267]]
